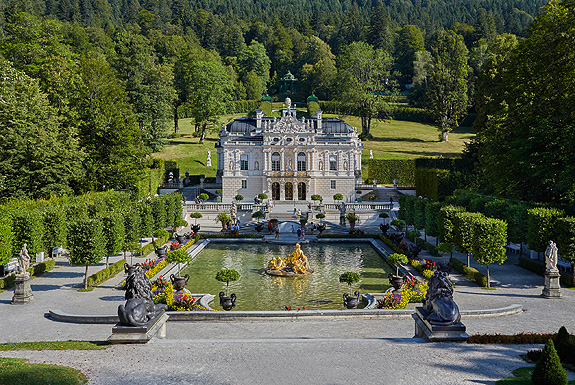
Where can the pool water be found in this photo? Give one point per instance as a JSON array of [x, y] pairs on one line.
[[256, 290]]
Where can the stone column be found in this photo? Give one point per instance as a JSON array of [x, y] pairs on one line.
[[282, 161]]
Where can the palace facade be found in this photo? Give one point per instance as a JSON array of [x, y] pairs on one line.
[[288, 158]]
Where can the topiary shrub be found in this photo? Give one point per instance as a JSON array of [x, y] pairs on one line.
[[316, 197], [564, 345], [262, 196], [397, 259], [349, 277], [548, 370], [227, 276], [239, 198]]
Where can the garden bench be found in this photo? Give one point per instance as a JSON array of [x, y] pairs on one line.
[[12, 266]]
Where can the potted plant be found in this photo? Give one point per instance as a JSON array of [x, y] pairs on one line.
[[223, 218], [338, 197], [195, 226], [398, 223], [352, 218], [396, 259], [203, 197], [258, 214], [227, 276], [349, 300], [239, 198], [262, 196], [303, 221], [179, 256], [445, 247], [320, 216], [384, 216], [316, 197]]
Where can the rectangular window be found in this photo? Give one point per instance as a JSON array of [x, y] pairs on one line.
[[244, 183], [333, 184], [333, 162], [244, 162]]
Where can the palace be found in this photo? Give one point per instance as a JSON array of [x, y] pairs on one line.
[[288, 158]]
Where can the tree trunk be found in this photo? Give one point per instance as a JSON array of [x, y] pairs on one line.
[[107, 261], [176, 121], [488, 279], [467, 259], [86, 278], [203, 132]]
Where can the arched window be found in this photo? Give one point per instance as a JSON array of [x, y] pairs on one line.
[[301, 164], [276, 161]]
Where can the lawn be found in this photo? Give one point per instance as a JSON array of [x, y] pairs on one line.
[[391, 140], [19, 371]]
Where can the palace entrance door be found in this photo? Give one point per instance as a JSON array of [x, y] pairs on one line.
[[276, 191], [289, 191], [301, 191]]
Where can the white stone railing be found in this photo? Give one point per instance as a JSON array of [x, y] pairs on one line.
[[220, 207], [358, 206]]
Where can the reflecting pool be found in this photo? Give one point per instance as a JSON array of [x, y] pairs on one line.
[[259, 291]]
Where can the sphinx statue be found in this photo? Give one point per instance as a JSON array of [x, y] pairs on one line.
[[295, 264]]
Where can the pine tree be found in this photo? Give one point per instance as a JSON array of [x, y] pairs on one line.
[[548, 370]]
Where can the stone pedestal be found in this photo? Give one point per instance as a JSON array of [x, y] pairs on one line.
[[437, 333], [552, 288], [140, 334], [22, 291]]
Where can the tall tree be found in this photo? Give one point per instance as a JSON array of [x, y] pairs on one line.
[[108, 129], [380, 32], [447, 85], [149, 86], [408, 42], [39, 157], [209, 90], [364, 79]]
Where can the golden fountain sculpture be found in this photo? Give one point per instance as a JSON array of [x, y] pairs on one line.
[[294, 265]]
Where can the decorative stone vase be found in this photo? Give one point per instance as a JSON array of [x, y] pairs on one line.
[[351, 301], [395, 281], [259, 227], [227, 303], [180, 238], [129, 269], [179, 283], [352, 225], [196, 229], [161, 252]]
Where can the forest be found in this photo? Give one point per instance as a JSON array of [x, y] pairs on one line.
[[91, 88]]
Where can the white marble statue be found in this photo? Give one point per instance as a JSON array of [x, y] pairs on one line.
[[370, 154], [24, 260], [209, 161], [551, 256]]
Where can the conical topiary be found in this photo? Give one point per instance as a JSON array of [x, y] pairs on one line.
[[548, 370], [564, 345]]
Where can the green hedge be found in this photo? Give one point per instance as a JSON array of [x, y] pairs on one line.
[[150, 246], [412, 114], [433, 183], [386, 170], [105, 274], [242, 106], [229, 235], [539, 268], [36, 270], [469, 272]]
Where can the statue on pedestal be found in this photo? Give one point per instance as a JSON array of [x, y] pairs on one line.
[[209, 160], [552, 288]]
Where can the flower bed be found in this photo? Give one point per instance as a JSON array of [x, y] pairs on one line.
[[412, 292], [515, 339], [163, 292]]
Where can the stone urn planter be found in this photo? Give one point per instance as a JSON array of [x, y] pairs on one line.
[[227, 303], [161, 251], [180, 238], [396, 281], [179, 283], [196, 229], [259, 227], [351, 301]]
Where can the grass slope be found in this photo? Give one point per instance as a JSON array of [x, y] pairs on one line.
[[20, 371], [391, 140]]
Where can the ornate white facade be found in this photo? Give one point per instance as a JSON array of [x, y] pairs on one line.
[[288, 158]]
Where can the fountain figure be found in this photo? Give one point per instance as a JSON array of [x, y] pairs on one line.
[[296, 264]]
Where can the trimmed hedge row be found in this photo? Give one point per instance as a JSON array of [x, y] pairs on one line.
[[36, 270], [412, 114], [388, 170], [433, 183], [105, 274], [539, 268], [469, 272], [431, 249], [150, 246]]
